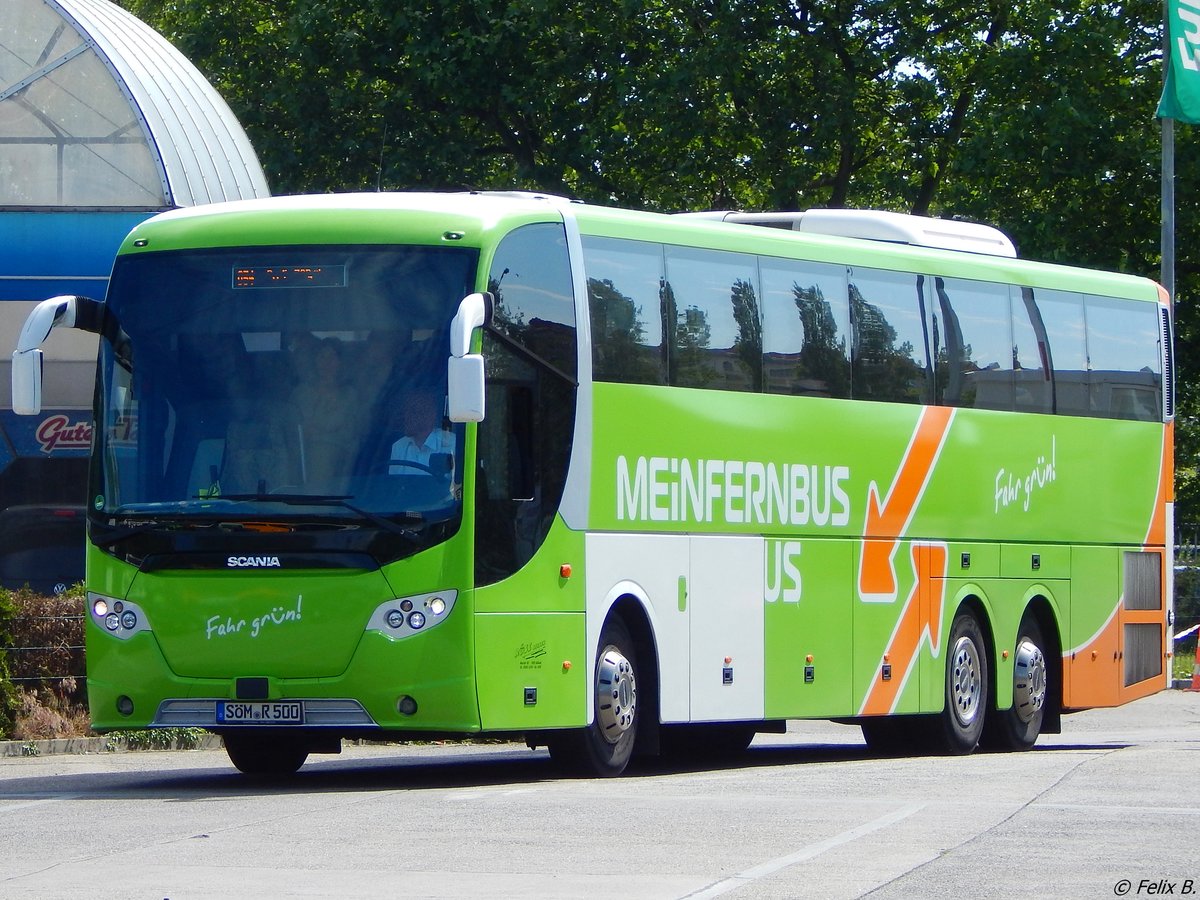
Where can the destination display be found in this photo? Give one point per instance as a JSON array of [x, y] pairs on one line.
[[289, 276]]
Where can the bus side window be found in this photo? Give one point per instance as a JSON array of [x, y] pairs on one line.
[[891, 360], [625, 282], [1034, 390], [1062, 315], [711, 304], [974, 360], [1122, 340], [806, 329], [524, 444]]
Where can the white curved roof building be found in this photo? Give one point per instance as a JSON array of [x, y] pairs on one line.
[[99, 111]]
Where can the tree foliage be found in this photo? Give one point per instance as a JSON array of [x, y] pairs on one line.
[[1034, 115]]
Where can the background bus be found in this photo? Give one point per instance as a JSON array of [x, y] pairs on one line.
[[689, 478]]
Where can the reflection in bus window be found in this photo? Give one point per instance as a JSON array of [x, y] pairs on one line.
[[806, 327], [973, 344], [625, 282], [1031, 372], [1062, 314], [1124, 356], [712, 299], [890, 359]]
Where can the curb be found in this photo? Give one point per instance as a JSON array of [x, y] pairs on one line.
[[115, 743]]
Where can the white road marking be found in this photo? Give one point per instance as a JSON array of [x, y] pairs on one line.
[[806, 853]]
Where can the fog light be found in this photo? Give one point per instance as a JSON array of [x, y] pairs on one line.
[[437, 606], [395, 618], [100, 608], [406, 705], [124, 705], [416, 620], [128, 620], [112, 621], [406, 605]]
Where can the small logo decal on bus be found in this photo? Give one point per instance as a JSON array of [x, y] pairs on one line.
[[253, 562]]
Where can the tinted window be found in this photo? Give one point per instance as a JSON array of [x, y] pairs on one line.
[[806, 316], [524, 444], [625, 283], [1033, 389], [712, 298], [973, 344], [890, 361], [1123, 352], [1062, 315], [531, 279]]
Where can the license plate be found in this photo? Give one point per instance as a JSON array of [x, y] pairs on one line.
[[269, 713]]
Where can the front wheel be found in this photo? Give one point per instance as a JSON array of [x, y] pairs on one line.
[[1018, 727], [966, 686], [264, 753], [605, 746]]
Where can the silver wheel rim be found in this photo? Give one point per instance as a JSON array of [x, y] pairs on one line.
[[965, 683], [616, 695], [1029, 680]]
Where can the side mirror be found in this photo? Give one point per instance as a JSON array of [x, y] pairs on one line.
[[464, 370], [27, 382], [465, 388], [65, 311], [474, 310]]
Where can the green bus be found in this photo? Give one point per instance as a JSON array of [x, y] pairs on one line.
[[396, 466]]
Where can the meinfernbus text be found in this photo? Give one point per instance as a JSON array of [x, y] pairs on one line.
[[402, 465]]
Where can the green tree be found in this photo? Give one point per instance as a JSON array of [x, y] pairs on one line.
[[1031, 114]]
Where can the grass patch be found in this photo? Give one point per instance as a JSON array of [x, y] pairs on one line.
[[1183, 664]]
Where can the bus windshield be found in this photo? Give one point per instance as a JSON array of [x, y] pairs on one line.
[[295, 384]]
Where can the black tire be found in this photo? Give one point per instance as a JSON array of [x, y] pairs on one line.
[[264, 753], [606, 745], [962, 719], [1018, 727]]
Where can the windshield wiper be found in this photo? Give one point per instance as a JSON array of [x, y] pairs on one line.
[[341, 500]]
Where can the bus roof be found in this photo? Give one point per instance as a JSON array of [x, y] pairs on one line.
[[475, 218]]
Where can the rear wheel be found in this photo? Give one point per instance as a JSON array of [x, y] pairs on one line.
[[605, 746], [264, 753], [1018, 727], [966, 686]]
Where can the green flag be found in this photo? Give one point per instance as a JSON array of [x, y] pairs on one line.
[[1181, 92]]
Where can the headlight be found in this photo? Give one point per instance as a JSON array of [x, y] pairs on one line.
[[403, 617], [119, 618]]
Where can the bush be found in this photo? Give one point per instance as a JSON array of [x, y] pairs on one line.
[[42, 674], [8, 693], [46, 714]]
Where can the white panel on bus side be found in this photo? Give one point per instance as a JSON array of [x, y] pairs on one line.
[[727, 619], [649, 567]]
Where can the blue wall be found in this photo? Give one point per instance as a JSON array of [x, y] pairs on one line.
[[47, 253]]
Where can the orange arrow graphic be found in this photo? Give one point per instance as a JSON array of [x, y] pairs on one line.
[[886, 522], [921, 618]]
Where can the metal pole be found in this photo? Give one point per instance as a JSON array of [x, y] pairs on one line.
[[1167, 275], [1168, 207]]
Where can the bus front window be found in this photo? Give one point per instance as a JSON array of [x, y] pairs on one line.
[[282, 383]]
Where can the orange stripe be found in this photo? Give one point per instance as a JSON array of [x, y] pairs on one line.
[[876, 574], [918, 621]]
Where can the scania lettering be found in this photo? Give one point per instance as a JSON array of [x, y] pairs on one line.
[[253, 562], [465, 464]]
